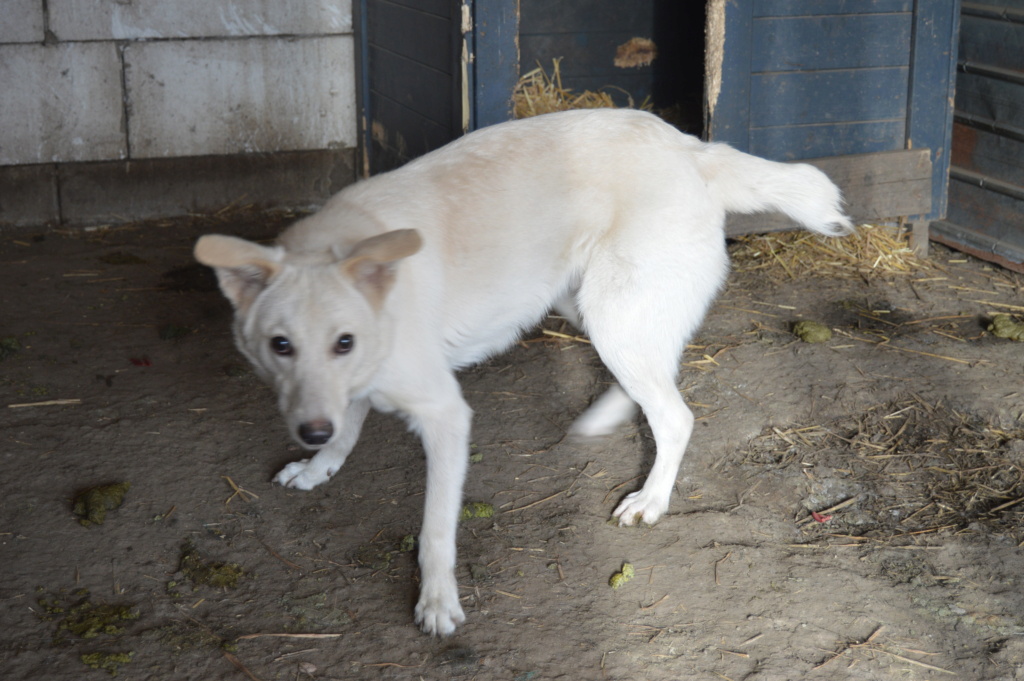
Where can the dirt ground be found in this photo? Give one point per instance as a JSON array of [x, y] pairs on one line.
[[902, 434]]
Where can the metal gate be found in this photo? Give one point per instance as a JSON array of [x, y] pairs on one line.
[[986, 189]]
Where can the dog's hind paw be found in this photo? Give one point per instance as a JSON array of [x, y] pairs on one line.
[[640, 507], [439, 615], [304, 475]]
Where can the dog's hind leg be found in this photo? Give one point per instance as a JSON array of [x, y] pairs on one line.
[[654, 389], [308, 473], [639, 318], [672, 424]]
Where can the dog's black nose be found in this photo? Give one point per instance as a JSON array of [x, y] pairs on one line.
[[316, 432]]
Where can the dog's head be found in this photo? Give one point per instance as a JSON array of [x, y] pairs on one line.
[[314, 326]]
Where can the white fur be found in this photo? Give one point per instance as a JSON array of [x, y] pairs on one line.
[[612, 216]]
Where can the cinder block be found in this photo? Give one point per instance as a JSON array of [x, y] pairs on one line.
[[21, 21], [145, 19], [60, 103], [28, 196], [192, 98], [120, 191]]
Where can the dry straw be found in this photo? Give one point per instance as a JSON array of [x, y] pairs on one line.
[[538, 93], [871, 250]]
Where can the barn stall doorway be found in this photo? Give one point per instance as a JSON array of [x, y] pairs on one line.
[[863, 90]]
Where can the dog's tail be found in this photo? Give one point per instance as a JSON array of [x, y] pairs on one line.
[[747, 184]]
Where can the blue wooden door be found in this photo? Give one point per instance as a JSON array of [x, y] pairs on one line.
[[861, 87], [430, 70]]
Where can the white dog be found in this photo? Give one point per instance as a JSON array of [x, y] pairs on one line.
[[612, 217]]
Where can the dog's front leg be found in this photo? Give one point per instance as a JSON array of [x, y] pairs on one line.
[[308, 473], [444, 426]]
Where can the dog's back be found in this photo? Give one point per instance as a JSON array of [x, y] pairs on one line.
[[511, 215]]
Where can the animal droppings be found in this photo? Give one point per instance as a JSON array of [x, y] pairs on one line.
[[208, 573], [622, 576], [91, 506], [1005, 326], [476, 509], [812, 332]]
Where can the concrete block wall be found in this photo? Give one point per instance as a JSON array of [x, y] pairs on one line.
[[106, 102]]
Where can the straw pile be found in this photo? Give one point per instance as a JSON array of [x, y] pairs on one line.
[[910, 468], [539, 93], [872, 250]]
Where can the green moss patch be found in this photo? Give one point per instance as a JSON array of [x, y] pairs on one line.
[[9, 345], [89, 620], [81, 618], [109, 661]]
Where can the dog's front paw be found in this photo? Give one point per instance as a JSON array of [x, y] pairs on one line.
[[304, 475], [640, 507], [439, 613]]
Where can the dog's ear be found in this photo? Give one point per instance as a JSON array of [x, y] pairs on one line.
[[372, 263], [243, 268]]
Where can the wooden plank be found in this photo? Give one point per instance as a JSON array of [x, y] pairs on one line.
[[794, 143], [495, 61], [411, 33], [440, 8], [408, 80], [729, 97], [784, 99], [830, 42], [578, 16], [411, 84], [875, 186], [932, 88], [398, 133], [782, 8]]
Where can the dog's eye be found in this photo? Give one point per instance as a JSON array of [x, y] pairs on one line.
[[281, 346], [345, 344]]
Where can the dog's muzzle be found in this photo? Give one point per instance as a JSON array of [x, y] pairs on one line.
[[315, 433]]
